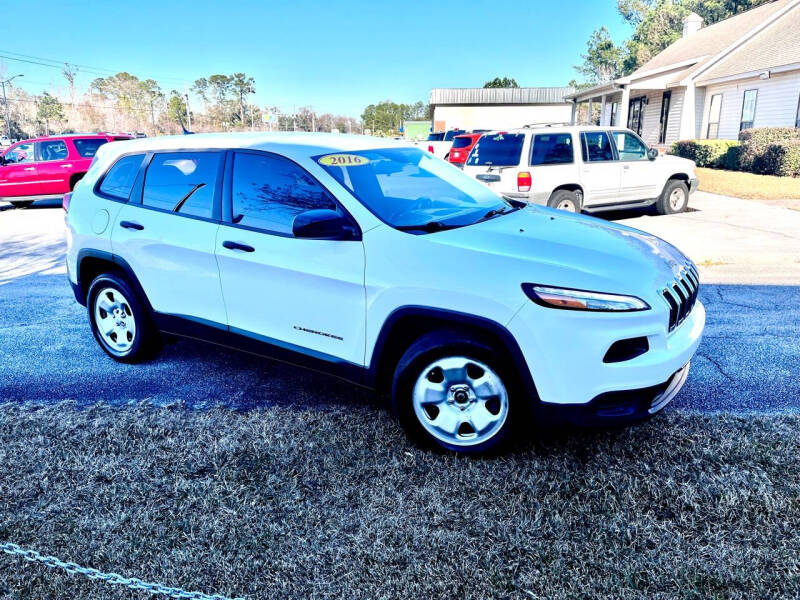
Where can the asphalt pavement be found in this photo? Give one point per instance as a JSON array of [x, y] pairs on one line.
[[749, 360]]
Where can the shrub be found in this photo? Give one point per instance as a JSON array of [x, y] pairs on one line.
[[708, 153], [755, 143], [779, 158]]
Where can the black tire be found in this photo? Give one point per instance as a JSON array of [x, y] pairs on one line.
[[146, 342], [21, 203], [76, 179], [665, 203], [568, 200], [445, 344]]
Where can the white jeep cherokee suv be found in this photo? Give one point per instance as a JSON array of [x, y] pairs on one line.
[[579, 168], [384, 265]]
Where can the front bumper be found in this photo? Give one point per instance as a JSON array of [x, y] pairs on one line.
[[617, 408], [694, 182]]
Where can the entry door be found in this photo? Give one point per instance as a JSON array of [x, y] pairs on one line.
[[306, 295], [168, 236], [636, 115], [662, 132], [600, 171], [53, 166], [18, 177]]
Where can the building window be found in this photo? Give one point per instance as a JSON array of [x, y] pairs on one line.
[[613, 120], [713, 116], [748, 109], [797, 116]]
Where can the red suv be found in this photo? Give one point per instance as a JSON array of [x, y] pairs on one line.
[[48, 166], [462, 144]]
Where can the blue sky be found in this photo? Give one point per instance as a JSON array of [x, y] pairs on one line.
[[335, 56]]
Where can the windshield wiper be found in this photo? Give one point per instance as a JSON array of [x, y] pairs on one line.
[[430, 227], [498, 211]]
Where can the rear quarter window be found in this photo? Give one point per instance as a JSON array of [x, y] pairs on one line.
[[87, 148], [498, 150], [552, 149], [119, 179]]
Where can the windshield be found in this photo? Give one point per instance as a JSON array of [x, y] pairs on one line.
[[497, 150], [406, 187]]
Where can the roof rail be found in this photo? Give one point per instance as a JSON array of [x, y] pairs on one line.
[[532, 125]]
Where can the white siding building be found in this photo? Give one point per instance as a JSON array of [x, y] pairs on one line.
[[713, 82], [498, 108]]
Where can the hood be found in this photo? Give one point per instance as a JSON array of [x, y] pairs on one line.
[[554, 247], [677, 161]]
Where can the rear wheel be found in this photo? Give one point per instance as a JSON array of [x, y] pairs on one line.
[[674, 198], [451, 391], [565, 200], [21, 203], [120, 322]]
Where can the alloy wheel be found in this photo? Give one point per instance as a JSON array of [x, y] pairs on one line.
[[114, 320]]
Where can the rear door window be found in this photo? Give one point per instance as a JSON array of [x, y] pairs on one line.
[[497, 150], [182, 182], [118, 181], [53, 150], [552, 149], [596, 147], [87, 148]]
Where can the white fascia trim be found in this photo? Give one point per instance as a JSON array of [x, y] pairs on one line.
[[750, 74], [745, 38], [660, 70]]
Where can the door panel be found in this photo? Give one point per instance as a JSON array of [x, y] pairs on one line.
[[53, 167], [640, 175], [173, 258], [307, 293], [601, 172], [19, 178]]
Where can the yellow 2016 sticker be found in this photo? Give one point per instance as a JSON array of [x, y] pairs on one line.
[[343, 160]]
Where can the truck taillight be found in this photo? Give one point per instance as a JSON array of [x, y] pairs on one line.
[[66, 200], [524, 181], [430, 148]]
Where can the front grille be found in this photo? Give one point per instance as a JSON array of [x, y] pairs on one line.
[[681, 294]]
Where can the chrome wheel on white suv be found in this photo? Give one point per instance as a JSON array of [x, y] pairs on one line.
[[460, 401], [674, 198], [120, 322], [114, 320], [451, 390]]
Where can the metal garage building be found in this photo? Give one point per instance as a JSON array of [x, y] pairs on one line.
[[498, 108]]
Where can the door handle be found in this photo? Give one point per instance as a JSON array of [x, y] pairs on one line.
[[29, 169], [131, 225], [68, 166], [626, 167], [237, 246]]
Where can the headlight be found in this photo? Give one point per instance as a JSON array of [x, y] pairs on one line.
[[558, 297]]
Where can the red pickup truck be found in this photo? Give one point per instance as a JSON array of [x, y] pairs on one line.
[[48, 166]]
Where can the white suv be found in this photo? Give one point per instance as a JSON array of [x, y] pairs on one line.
[[384, 265], [582, 169]]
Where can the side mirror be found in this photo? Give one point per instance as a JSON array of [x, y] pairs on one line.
[[323, 224], [652, 154]]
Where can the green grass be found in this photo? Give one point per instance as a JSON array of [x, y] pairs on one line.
[[749, 185], [336, 503]]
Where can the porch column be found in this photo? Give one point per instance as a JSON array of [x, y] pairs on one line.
[[574, 110], [688, 126], [622, 119], [589, 113], [603, 110]]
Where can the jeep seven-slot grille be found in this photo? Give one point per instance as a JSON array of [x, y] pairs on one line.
[[681, 294]]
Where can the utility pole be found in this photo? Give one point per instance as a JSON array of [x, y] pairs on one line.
[[5, 101]]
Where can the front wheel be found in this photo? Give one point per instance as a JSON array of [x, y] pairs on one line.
[[21, 203], [674, 198], [450, 391]]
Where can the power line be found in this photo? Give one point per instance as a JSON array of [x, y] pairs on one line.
[[56, 64]]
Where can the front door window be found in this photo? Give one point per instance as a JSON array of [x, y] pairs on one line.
[[20, 154]]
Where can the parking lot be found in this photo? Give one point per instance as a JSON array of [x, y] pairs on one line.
[[748, 254], [216, 470]]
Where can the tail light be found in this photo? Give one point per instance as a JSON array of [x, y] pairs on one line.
[[65, 202], [524, 181], [430, 148]]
